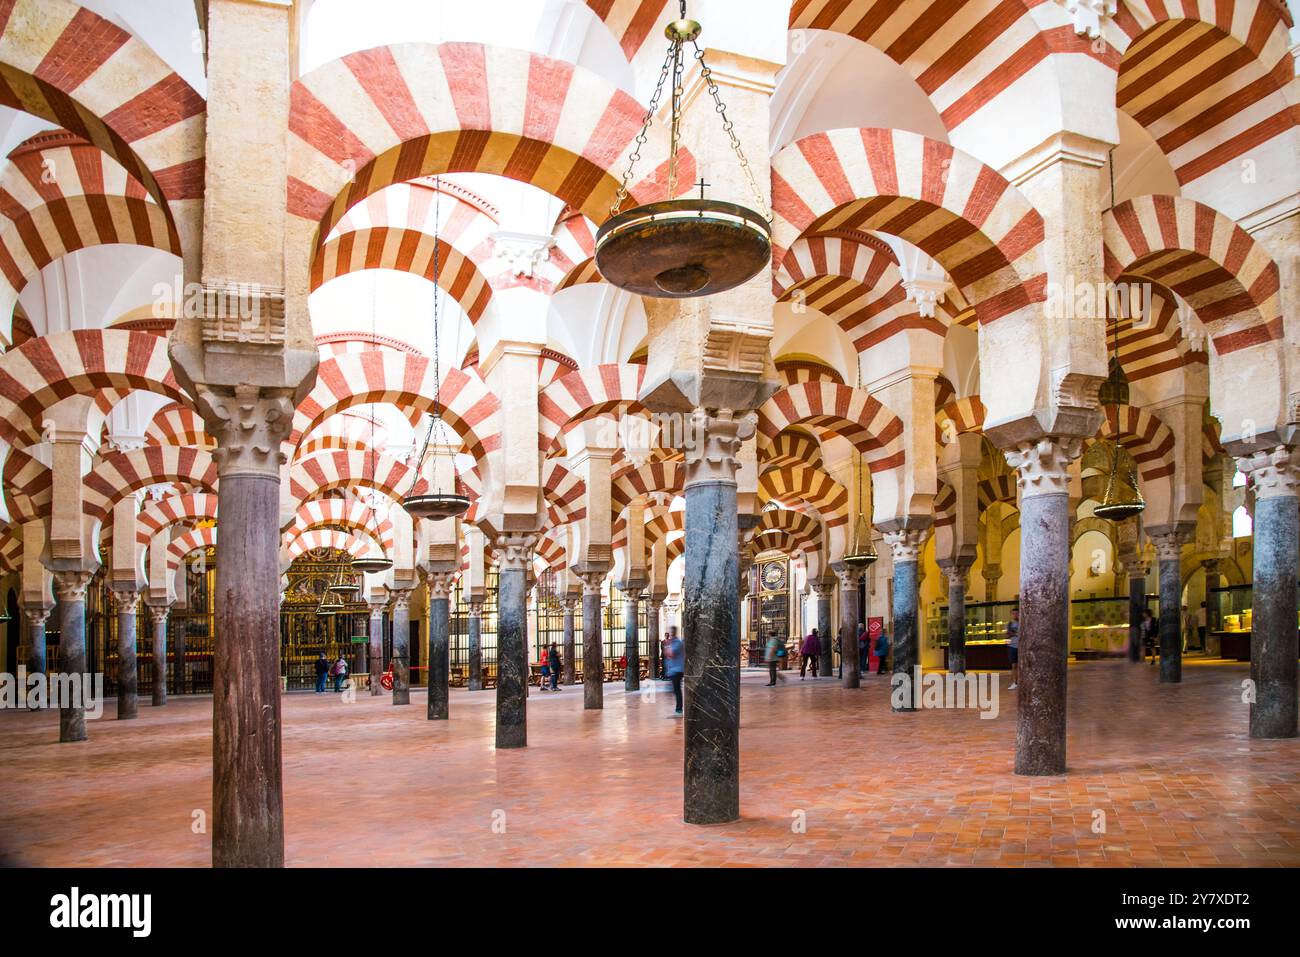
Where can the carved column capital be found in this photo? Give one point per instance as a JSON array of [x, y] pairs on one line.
[[570, 605], [1169, 542], [158, 614], [591, 581], [71, 585], [1137, 567], [36, 615], [249, 424], [631, 592], [848, 577], [475, 608], [823, 590], [1043, 465], [377, 609], [956, 569], [439, 583], [515, 551], [712, 443], [905, 544], [1274, 472], [124, 599], [400, 598]]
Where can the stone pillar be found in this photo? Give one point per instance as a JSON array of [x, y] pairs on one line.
[[710, 619], [178, 656], [906, 546], [593, 654], [376, 648], [1169, 550], [1043, 474], [653, 634], [1273, 642], [1137, 603], [570, 646], [70, 589], [956, 572], [514, 552], [128, 685], [36, 618], [401, 599], [439, 587], [631, 639], [850, 674], [475, 682], [823, 591], [158, 618]]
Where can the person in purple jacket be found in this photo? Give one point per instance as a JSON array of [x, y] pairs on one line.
[[809, 652]]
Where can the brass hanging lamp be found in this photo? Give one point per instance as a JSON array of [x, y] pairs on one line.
[[681, 248], [330, 603], [344, 584], [437, 503], [862, 550], [1121, 500]]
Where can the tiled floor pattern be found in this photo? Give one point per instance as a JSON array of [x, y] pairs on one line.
[[1170, 768]]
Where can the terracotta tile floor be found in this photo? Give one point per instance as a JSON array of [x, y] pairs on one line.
[[1171, 767]]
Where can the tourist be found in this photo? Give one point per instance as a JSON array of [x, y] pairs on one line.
[[1150, 632], [322, 670], [864, 649], [1013, 637], [674, 665], [1200, 627], [340, 671], [773, 655], [812, 646], [554, 660], [1189, 627], [882, 651], [545, 681]]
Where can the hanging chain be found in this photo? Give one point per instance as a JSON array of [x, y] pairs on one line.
[[621, 196], [730, 129], [675, 129], [436, 417]]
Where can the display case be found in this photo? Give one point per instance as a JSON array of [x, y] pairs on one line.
[[1099, 627], [1228, 620], [987, 647]]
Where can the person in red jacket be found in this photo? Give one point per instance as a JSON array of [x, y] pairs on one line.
[[809, 653]]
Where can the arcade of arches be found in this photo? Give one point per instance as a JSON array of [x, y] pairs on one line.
[[260, 289]]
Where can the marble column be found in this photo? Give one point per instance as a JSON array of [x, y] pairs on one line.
[[956, 571], [711, 619], [158, 618], [570, 647], [1169, 551], [850, 663], [128, 684], [632, 639], [826, 657], [475, 640], [439, 588], [70, 589], [36, 618], [906, 546], [991, 575], [376, 648], [401, 603], [514, 553], [1273, 640], [178, 655], [1137, 604], [1043, 474], [653, 634], [593, 655]]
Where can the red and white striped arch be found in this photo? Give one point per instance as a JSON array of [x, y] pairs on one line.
[[1216, 266], [796, 369], [355, 543], [959, 416], [172, 510], [793, 447], [1207, 79], [632, 484], [584, 394], [349, 512], [872, 429], [945, 504], [574, 250], [11, 549], [396, 113], [797, 485], [1144, 436], [118, 474], [962, 53], [327, 471], [349, 431], [28, 487], [963, 214], [855, 283], [182, 546], [563, 491], [999, 488], [109, 362], [632, 22], [382, 376], [1153, 344], [174, 424], [788, 531], [405, 250], [67, 65]]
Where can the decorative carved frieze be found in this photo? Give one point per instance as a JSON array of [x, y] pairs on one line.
[[515, 551], [905, 544], [249, 426], [1089, 15], [71, 585], [1273, 472], [712, 444], [243, 314]]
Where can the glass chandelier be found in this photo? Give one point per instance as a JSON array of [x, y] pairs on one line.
[[681, 248]]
